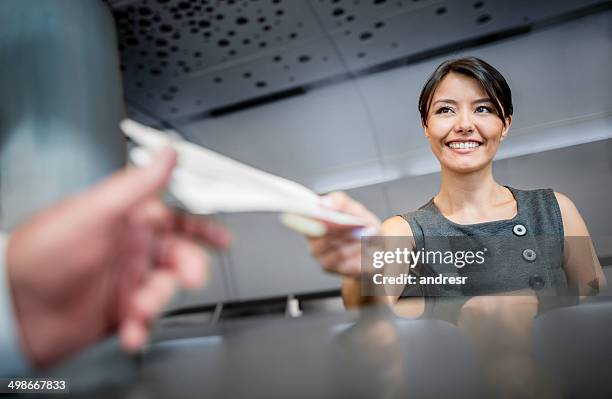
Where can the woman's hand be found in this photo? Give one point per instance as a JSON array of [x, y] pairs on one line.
[[339, 249]]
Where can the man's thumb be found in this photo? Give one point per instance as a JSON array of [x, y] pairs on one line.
[[128, 187]]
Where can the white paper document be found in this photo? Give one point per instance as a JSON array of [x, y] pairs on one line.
[[207, 182]]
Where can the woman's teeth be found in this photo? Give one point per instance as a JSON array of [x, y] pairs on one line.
[[464, 144]]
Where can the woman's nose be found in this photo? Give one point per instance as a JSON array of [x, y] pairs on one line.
[[464, 123]]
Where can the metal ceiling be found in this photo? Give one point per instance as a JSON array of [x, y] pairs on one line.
[[190, 59]]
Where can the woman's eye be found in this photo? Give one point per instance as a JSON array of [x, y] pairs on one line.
[[482, 109], [444, 110]]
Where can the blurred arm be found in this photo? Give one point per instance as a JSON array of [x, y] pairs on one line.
[[14, 362], [580, 259]]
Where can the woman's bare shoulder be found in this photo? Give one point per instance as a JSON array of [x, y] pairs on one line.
[[396, 226], [573, 224]]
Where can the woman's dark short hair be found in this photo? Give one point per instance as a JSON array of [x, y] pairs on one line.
[[491, 80]]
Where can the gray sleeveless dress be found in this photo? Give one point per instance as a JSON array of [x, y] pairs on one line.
[[525, 252]]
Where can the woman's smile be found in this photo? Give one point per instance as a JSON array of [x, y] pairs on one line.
[[463, 146]]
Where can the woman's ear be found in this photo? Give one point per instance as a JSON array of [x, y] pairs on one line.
[[424, 128], [506, 128]]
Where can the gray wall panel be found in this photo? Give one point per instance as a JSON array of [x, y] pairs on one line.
[[270, 260], [298, 138], [409, 193], [372, 197]]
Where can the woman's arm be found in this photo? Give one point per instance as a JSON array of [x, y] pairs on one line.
[[339, 250], [580, 259], [351, 286]]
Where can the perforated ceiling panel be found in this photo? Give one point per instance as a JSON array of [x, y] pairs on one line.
[[183, 57], [186, 58]]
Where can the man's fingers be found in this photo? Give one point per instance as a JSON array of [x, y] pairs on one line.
[[154, 295], [146, 303], [156, 215], [133, 334], [205, 230], [128, 187], [163, 220], [185, 258]]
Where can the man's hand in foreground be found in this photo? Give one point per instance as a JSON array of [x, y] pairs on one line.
[[105, 260]]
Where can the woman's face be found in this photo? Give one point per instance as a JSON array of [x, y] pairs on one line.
[[462, 127]]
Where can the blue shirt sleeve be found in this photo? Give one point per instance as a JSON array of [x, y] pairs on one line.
[[13, 362]]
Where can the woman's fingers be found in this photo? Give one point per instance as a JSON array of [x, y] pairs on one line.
[[339, 201], [320, 245], [344, 259], [304, 225]]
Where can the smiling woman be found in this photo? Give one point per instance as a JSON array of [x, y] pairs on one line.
[[473, 100], [466, 112]]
